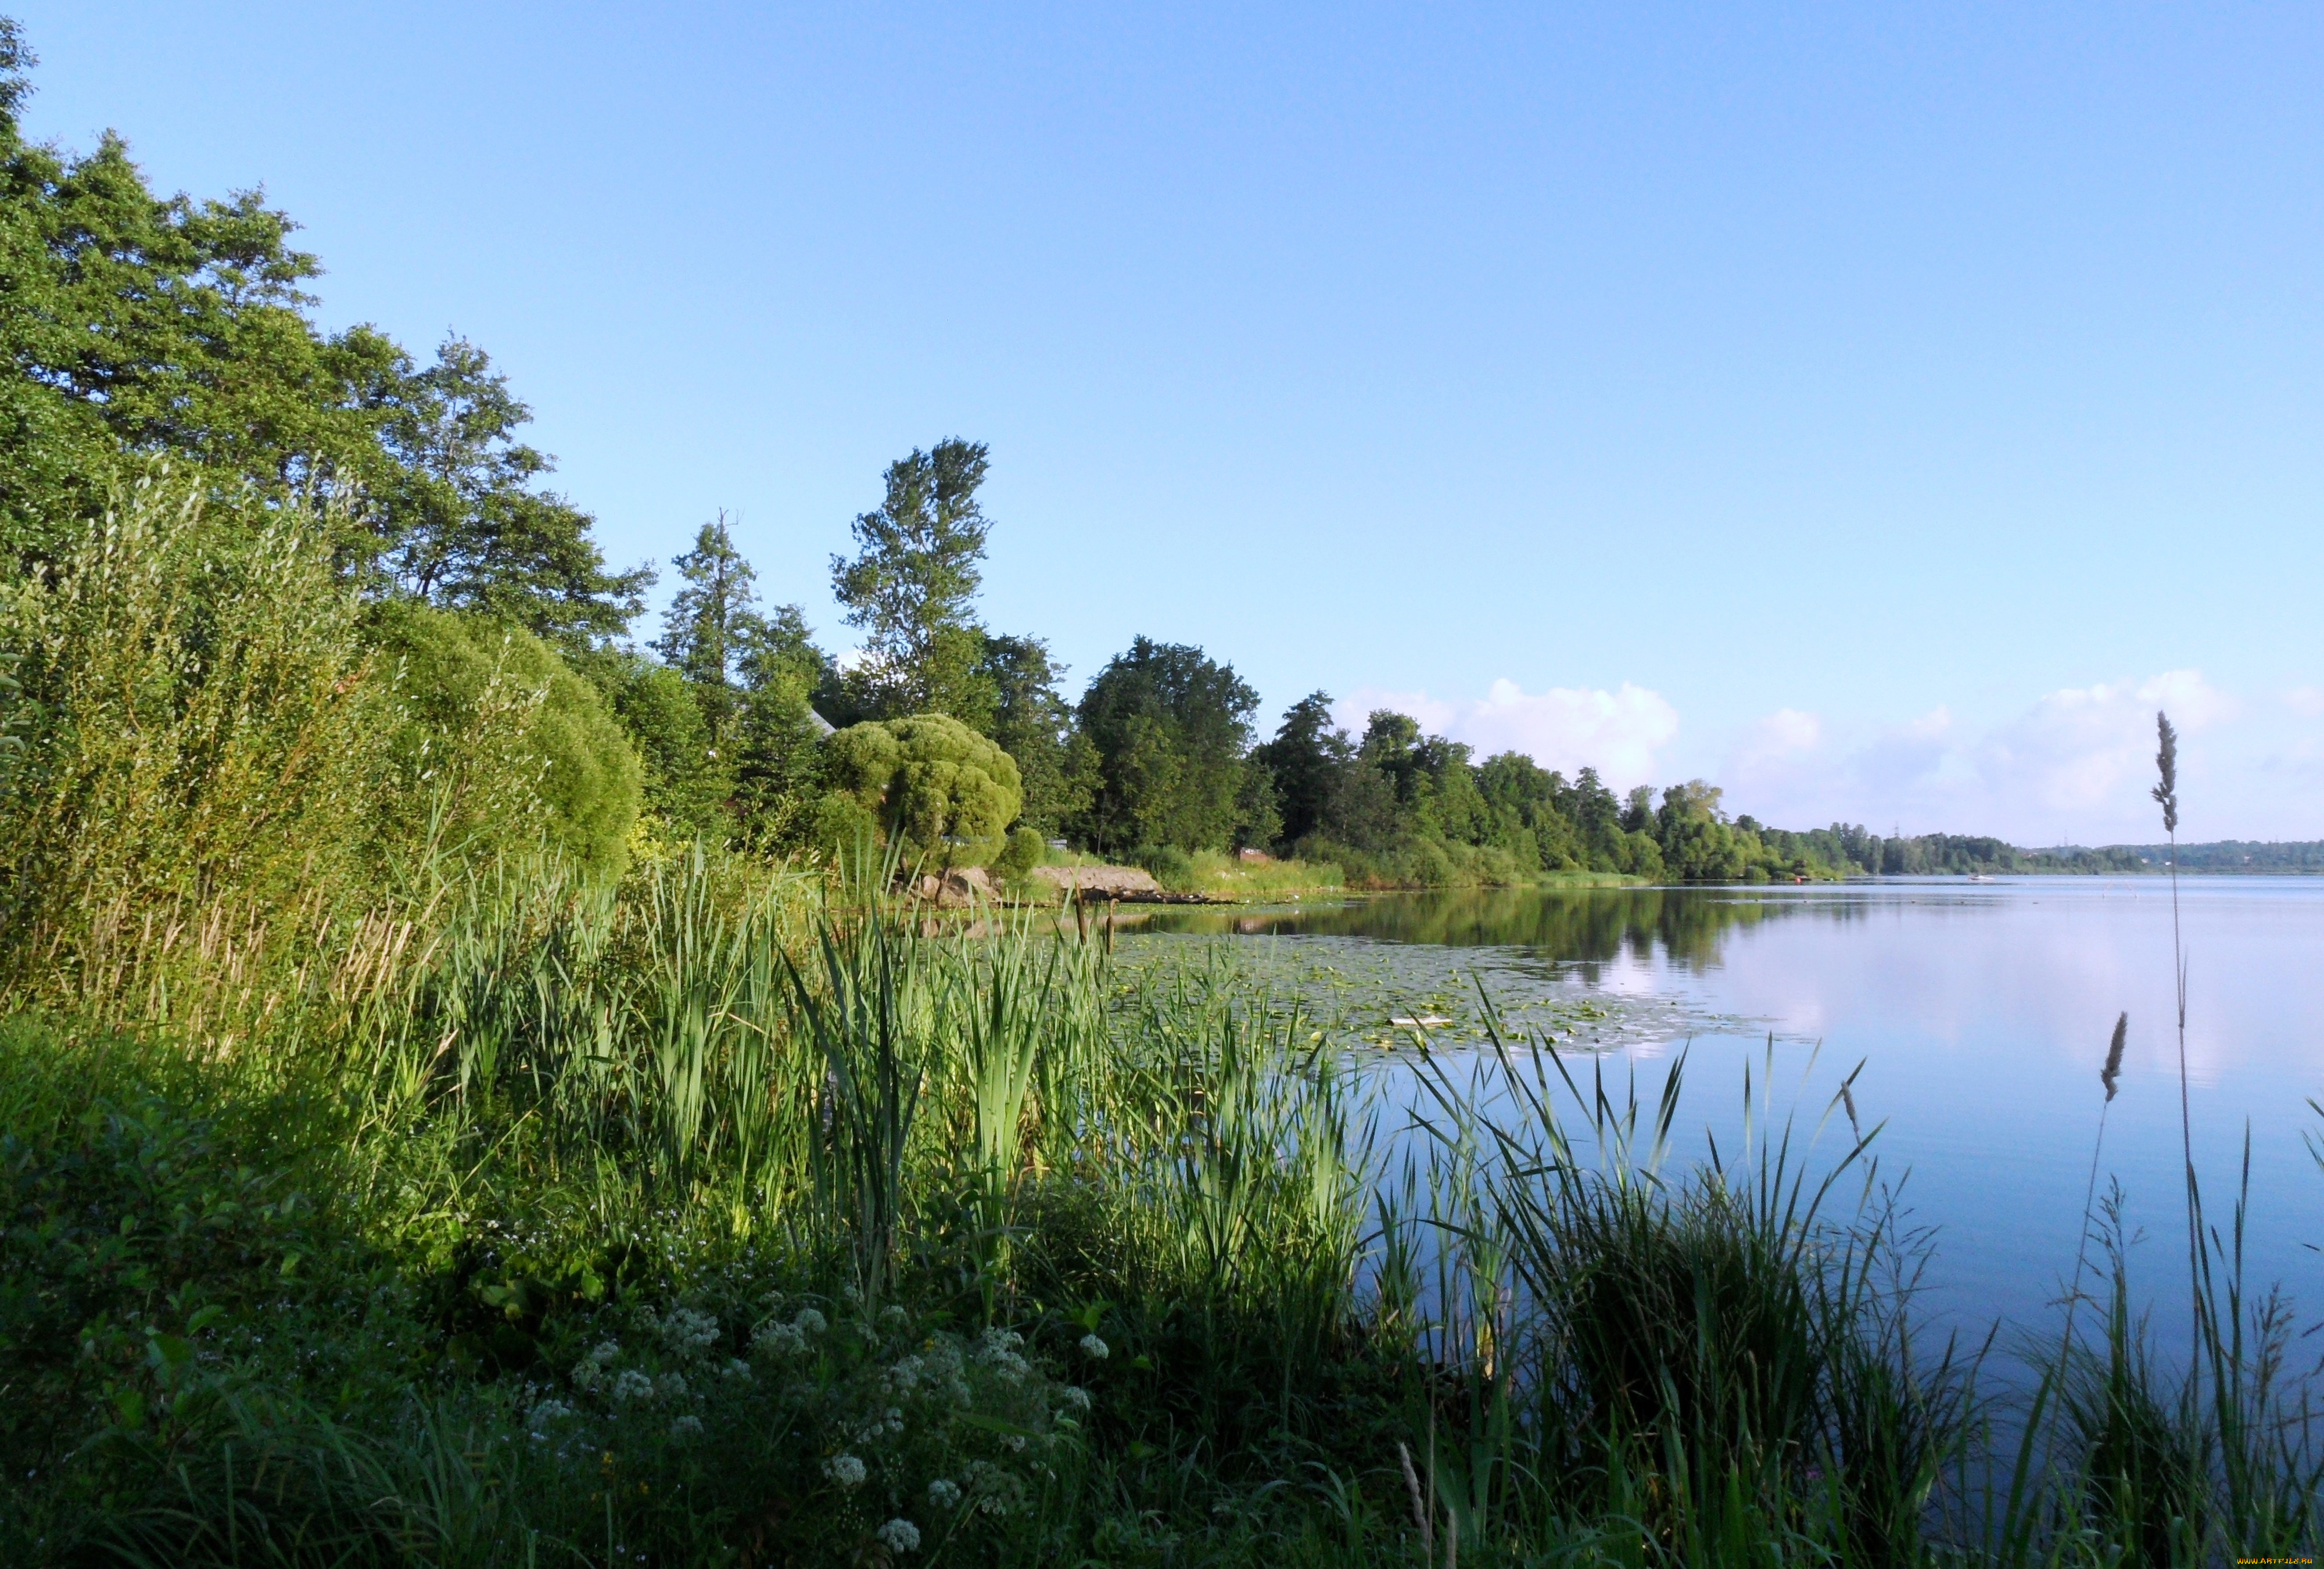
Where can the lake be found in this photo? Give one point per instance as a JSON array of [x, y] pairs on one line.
[[1980, 1014]]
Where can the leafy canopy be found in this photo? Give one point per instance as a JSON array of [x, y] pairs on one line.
[[948, 793], [915, 571], [136, 327]]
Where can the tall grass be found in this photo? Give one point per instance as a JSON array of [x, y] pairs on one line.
[[547, 1114]]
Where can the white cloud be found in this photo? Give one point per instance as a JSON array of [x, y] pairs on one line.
[[2308, 702], [2076, 749], [2075, 764], [1567, 728], [1786, 733]]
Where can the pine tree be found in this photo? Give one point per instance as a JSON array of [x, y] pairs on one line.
[[712, 624]]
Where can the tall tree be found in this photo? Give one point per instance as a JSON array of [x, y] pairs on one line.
[[1171, 727], [459, 520], [712, 623], [915, 572], [136, 328], [1309, 759], [1033, 724]]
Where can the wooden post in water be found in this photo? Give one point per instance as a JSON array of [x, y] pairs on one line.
[[1110, 906]]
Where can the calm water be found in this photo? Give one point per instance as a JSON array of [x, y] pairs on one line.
[[1980, 1014]]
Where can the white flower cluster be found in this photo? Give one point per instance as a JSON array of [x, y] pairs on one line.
[[936, 1371], [1094, 1348], [590, 1370], [775, 1338], [544, 1416], [736, 1368], [670, 1386], [632, 1385], [996, 1491], [689, 1333], [1075, 1396], [900, 1535], [845, 1470], [686, 1427], [943, 1494], [998, 1351]]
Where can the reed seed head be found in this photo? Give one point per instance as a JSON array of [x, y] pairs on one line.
[[2113, 1056], [2166, 763]]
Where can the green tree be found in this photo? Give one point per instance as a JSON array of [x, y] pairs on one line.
[[915, 572], [1034, 725], [459, 521], [775, 746], [682, 781], [1171, 727], [1308, 759], [711, 624], [1698, 844], [946, 792], [136, 327]]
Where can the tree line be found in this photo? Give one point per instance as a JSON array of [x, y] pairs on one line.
[[152, 337]]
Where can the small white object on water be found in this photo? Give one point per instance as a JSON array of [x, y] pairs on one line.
[[1425, 1022]]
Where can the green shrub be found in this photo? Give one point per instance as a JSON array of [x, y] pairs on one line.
[[683, 781], [1172, 867], [499, 747], [948, 793], [1025, 851], [193, 733]]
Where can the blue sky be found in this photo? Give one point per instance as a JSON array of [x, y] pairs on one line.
[[1876, 410]]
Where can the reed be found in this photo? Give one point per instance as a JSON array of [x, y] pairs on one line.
[[540, 1115]]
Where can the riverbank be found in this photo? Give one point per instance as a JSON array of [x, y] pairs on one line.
[[781, 1234]]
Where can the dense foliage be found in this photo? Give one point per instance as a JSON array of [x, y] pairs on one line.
[[453, 1110]]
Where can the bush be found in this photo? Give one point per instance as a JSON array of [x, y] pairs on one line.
[[1025, 849], [1172, 867], [191, 726], [500, 747], [948, 793]]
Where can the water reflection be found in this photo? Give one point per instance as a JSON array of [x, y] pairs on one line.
[[1981, 1013], [1685, 927]]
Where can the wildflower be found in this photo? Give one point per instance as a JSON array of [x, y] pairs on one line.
[[607, 1350], [543, 1414], [1095, 1348], [686, 1427], [670, 1386], [1076, 1396], [943, 1494], [845, 1470], [736, 1368], [778, 1340], [901, 1536], [632, 1385], [904, 1374], [687, 1331], [893, 1316], [587, 1374], [810, 1322]]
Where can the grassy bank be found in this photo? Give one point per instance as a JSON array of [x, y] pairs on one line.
[[713, 1221]]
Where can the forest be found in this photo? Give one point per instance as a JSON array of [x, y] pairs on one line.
[[474, 1090]]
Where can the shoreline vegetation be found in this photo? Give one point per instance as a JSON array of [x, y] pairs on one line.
[[474, 1089]]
